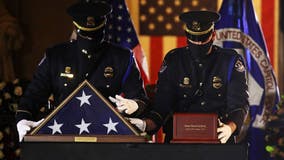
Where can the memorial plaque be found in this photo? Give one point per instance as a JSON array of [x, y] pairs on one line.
[[87, 138], [195, 128]]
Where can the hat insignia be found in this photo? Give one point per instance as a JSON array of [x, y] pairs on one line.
[[90, 21], [196, 26]]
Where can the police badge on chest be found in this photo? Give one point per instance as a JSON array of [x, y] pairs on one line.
[[67, 74], [108, 74], [185, 83]]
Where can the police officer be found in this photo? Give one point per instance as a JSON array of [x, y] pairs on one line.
[[201, 78], [108, 67]]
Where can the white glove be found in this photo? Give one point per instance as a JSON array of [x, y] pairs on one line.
[[139, 123], [224, 132], [23, 126], [124, 105]]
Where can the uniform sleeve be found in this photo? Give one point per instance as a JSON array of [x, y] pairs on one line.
[[133, 88], [37, 92], [164, 98], [237, 97]]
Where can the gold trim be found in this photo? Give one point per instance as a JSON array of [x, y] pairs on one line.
[[276, 39], [85, 139], [198, 33], [85, 82], [89, 29]]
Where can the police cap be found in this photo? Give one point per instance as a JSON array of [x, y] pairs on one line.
[[199, 24], [89, 16]]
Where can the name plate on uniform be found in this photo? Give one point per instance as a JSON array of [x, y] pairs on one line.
[[195, 128]]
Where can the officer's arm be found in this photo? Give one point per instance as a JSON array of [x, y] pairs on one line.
[[37, 92], [133, 88], [164, 97], [237, 94]]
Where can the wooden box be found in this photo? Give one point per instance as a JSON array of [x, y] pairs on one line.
[[195, 128]]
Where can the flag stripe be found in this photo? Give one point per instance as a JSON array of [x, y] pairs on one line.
[[169, 42], [145, 41], [181, 41], [156, 43], [142, 63], [266, 8], [151, 44], [270, 18]]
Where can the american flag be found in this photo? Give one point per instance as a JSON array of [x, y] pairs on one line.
[[120, 30], [85, 112], [155, 45], [160, 27], [239, 29]]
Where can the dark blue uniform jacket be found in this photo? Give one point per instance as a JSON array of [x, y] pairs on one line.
[[216, 84], [111, 70]]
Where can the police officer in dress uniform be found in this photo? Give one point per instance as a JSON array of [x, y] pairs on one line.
[[201, 78], [108, 67]]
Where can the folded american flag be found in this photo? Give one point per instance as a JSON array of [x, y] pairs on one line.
[[85, 112]]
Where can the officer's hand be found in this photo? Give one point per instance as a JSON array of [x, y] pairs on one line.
[[139, 123], [124, 105], [224, 132], [23, 126]]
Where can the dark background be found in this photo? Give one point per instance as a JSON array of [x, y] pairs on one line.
[[43, 23]]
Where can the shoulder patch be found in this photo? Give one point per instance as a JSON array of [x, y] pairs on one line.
[[239, 66], [163, 67]]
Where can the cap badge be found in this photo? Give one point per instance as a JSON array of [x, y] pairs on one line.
[[67, 73], [108, 72], [90, 21], [217, 82], [196, 26]]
